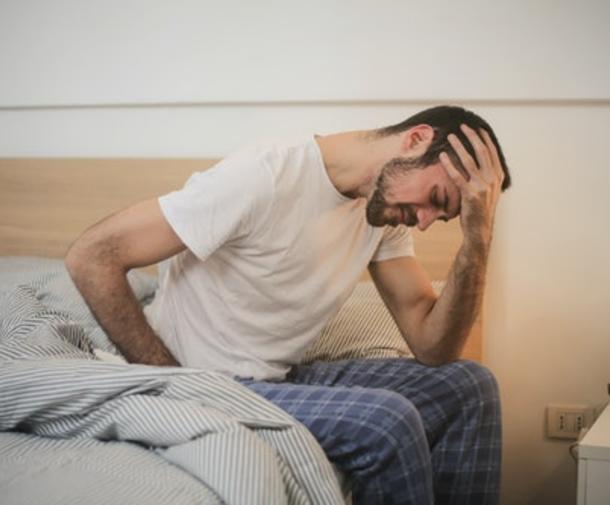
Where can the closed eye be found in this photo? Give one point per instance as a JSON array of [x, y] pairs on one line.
[[435, 201]]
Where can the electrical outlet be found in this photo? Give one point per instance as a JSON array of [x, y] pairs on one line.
[[566, 421]]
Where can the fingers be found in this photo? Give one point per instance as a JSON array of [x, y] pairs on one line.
[[490, 145], [487, 165], [471, 167], [487, 169], [467, 161], [480, 149], [458, 177], [497, 164]]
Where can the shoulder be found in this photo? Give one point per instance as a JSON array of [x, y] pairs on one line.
[[252, 159], [275, 154], [242, 169]]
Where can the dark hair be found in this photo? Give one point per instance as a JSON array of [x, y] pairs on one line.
[[446, 119]]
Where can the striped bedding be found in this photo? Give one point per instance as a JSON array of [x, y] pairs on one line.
[[363, 328], [74, 429]]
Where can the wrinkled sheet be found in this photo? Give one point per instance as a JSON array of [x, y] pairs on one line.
[[74, 429]]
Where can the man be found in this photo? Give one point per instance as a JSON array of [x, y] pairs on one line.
[[265, 248]]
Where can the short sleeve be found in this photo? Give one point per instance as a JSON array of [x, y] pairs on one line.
[[219, 205], [396, 242]]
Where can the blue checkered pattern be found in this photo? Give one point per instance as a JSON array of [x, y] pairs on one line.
[[404, 433]]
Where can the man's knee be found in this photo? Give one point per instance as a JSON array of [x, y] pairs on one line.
[[472, 380], [390, 424], [390, 418]]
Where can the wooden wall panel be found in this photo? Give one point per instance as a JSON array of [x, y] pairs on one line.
[[46, 203]]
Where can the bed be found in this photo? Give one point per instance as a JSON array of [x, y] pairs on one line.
[[80, 425]]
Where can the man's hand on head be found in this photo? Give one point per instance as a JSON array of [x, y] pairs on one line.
[[480, 187]]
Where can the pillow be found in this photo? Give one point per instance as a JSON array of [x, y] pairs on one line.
[[363, 328]]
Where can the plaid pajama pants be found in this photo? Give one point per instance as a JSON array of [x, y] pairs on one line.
[[402, 432]]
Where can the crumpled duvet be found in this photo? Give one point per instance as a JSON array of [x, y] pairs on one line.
[[75, 429]]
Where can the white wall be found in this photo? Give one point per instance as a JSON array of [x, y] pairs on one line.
[[547, 307], [188, 78], [57, 52]]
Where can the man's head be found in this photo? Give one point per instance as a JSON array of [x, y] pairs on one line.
[[414, 188]]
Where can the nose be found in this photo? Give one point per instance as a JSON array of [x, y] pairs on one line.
[[425, 217]]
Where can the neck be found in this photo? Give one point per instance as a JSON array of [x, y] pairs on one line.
[[354, 159]]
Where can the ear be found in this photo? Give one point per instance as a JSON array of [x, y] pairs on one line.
[[415, 140]]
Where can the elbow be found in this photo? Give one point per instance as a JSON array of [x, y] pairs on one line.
[[86, 256], [435, 359], [438, 355], [75, 260], [435, 347]]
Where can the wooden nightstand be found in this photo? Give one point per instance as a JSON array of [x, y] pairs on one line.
[[594, 463]]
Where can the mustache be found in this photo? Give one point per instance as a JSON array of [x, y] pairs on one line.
[[410, 214]]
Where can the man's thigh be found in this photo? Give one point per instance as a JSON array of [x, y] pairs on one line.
[[436, 392], [311, 403], [402, 375], [348, 422]]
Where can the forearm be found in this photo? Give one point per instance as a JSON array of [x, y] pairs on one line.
[[446, 327], [114, 305], [438, 328]]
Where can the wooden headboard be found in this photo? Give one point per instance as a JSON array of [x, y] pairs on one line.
[[45, 203]]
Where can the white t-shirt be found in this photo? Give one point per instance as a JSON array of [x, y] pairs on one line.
[[273, 252]]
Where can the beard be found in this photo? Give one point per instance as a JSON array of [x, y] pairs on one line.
[[375, 209], [377, 204]]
